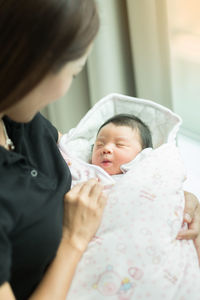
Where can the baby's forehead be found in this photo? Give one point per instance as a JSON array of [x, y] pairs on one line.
[[116, 127], [115, 130]]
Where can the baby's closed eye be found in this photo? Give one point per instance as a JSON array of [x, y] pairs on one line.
[[99, 144], [121, 145]]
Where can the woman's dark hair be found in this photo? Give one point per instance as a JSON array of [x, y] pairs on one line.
[[38, 37], [133, 122]]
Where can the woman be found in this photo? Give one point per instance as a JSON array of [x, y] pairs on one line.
[[44, 44]]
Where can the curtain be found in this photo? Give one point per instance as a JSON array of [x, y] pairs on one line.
[[150, 49]]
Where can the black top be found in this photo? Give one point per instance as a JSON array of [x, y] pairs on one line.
[[33, 181]]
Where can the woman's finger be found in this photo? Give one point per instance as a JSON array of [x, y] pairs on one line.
[[96, 192], [102, 200], [190, 234], [193, 228], [82, 188], [76, 188], [191, 203], [87, 193]]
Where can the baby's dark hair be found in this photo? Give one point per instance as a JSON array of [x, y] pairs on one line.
[[133, 122]]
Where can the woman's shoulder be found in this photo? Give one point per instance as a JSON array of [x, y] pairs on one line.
[[40, 124], [37, 126]]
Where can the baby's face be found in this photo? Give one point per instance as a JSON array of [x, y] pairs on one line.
[[115, 146]]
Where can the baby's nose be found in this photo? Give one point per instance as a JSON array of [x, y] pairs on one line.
[[107, 149]]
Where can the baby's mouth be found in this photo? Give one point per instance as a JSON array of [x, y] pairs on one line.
[[106, 162]]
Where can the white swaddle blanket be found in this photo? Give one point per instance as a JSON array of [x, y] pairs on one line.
[[135, 254]]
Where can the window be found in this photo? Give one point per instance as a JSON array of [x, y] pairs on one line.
[[184, 41]]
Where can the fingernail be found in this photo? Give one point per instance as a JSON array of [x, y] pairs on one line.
[[179, 237], [187, 218]]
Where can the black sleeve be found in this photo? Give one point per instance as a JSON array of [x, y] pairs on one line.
[[6, 226]]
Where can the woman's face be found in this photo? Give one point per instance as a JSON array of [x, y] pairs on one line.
[[51, 88]]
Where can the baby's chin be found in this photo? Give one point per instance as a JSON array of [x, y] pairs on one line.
[[109, 169], [112, 172]]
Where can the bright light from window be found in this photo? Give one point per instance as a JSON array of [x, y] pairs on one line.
[[184, 35]]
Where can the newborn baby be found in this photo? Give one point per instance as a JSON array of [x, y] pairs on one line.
[[135, 253]]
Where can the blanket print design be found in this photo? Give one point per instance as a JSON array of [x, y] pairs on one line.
[[110, 283]]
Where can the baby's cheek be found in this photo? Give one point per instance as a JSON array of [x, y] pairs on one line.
[[95, 160]]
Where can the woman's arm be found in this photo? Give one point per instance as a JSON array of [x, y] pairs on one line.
[[57, 279], [84, 205], [6, 292], [83, 210]]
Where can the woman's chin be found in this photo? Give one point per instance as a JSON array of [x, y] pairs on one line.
[[21, 118]]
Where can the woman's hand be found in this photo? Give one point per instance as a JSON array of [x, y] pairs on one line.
[[83, 210], [192, 218]]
